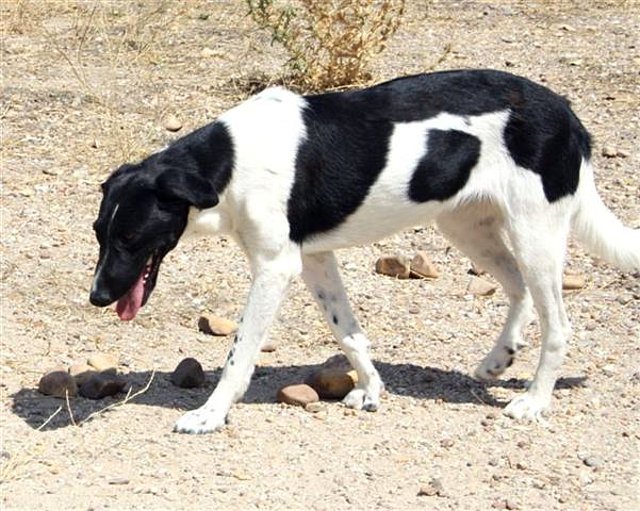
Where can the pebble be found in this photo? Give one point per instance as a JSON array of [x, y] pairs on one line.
[[188, 374], [314, 407], [172, 123], [394, 266], [103, 362], [421, 266], [593, 461], [81, 372], [609, 151], [474, 269], [298, 395], [268, 347], [58, 383], [332, 383], [504, 504], [432, 488], [102, 385], [215, 325], [573, 282], [480, 287]]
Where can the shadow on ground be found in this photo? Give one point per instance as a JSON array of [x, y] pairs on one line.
[[48, 413]]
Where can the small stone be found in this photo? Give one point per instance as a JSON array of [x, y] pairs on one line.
[[188, 374], [572, 282], [394, 266], [102, 385], [119, 481], [621, 153], [103, 362], [421, 266], [207, 52], [269, 347], [447, 442], [510, 504], [298, 395], [593, 461], [480, 287], [172, 123], [476, 270], [215, 325], [432, 488], [332, 383], [81, 372], [609, 152], [58, 383], [314, 407]]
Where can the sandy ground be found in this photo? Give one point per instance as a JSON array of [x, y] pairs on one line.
[[86, 85]]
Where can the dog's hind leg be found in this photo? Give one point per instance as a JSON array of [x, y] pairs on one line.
[[477, 230], [539, 239], [321, 275], [271, 277]]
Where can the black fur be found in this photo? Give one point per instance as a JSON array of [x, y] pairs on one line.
[[153, 199], [446, 166], [348, 139]]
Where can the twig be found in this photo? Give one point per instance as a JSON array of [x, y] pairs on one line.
[[126, 399], [49, 419], [66, 397]]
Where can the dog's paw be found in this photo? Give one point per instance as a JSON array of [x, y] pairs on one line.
[[495, 363], [360, 399], [527, 407], [199, 421]]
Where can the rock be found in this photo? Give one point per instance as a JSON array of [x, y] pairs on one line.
[[422, 267], [269, 347], [58, 383], [338, 361], [103, 363], [314, 407], [298, 395], [102, 385], [572, 282], [81, 372], [207, 52], [188, 374], [432, 488], [172, 123], [476, 270], [394, 266], [331, 383], [593, 461], [480, 287], [215, 325], [621, 153], [609, 152]]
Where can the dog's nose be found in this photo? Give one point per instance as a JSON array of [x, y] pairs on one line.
[[100, 298]]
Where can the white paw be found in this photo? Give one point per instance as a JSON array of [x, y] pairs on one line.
[[199, 421], [528, 408], [495, 363], [362, 399]]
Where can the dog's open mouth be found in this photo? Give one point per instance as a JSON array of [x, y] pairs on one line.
[[129, 305]]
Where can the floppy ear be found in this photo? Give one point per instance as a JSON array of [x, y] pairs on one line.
[[186, 186]]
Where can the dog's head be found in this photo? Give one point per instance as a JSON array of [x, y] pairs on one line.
[[143, 213]]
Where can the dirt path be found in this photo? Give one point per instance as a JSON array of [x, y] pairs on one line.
[[83, 89]]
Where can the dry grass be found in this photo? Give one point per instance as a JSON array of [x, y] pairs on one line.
[[331, 43]]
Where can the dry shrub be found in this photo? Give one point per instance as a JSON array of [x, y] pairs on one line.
[[330, 42]]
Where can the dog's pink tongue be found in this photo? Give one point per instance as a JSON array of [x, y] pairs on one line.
[[129, 305]]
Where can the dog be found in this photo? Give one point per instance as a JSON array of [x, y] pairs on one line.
[[498, 162]]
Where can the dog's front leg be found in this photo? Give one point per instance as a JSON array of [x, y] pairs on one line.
[[271, 278]]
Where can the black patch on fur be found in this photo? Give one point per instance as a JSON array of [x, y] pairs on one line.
[[341, 158], [445, 168], [348, 137]]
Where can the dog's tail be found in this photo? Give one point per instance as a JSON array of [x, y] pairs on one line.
[[599, 229]]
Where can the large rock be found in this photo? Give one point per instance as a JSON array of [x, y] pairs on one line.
[[298, 395], [58, 383], [81, 372], [480, 287], [333, 383], [394, 266], [102, 385], [215, 325], [422, 267], [188, 374]]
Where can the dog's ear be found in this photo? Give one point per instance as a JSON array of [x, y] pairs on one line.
[[186, 186]]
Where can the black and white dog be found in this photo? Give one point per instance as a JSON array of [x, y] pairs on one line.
[[490, 157]]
